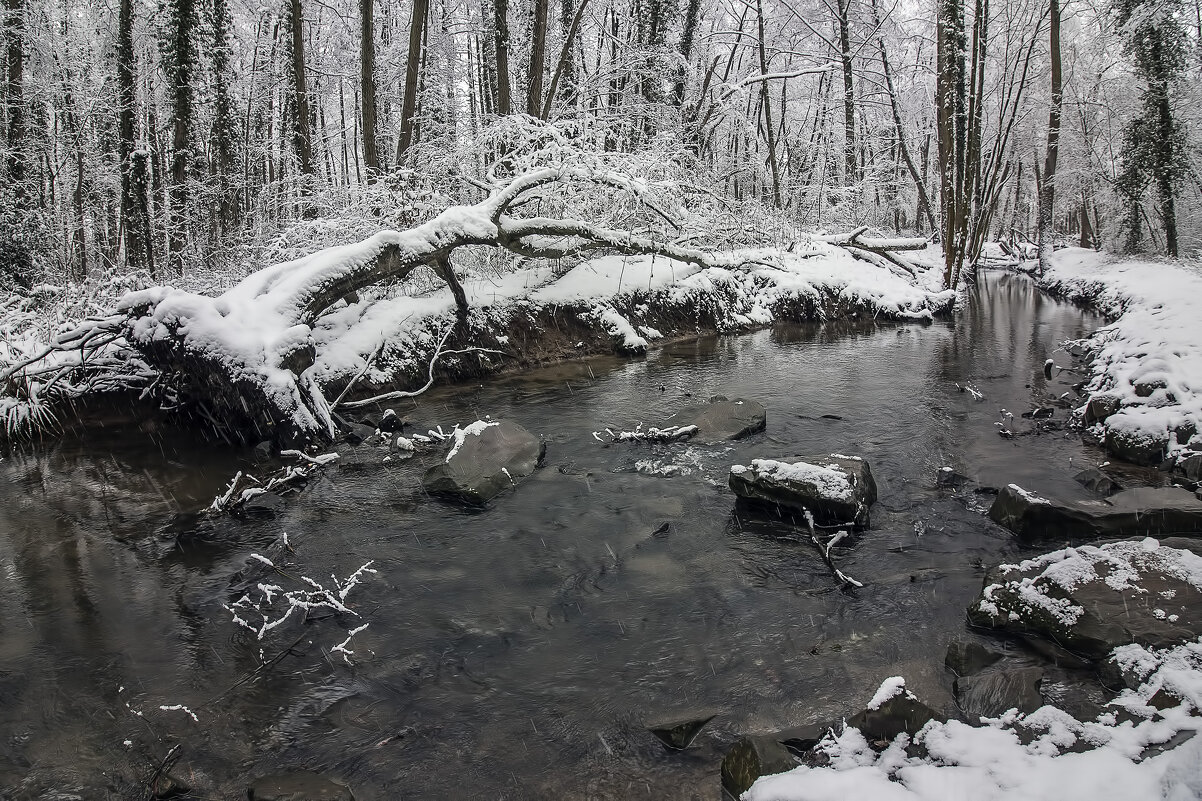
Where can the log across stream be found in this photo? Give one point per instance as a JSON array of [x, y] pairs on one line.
[[518, 652]]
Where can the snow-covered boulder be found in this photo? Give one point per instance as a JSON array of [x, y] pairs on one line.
[[483, 460], [835, 489], [722, 419], [1093, 599], [1141, 512]]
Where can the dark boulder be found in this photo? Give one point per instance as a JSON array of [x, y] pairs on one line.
[[263, 504], [751, 758], [483, 460], [300, 785], [1091, 599], [835, 489], [1135, 448], [1095, 480], [1191, 467], [679, 733], [722, 419], [899, 713], [391, 422], [1100, 407], [357, 433], [1146, 511], [947, 478], [966, 657], [992, 693]]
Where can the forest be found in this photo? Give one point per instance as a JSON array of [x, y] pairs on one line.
[[190, 140]]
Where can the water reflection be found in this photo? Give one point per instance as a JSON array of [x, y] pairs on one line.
[[516, 653]]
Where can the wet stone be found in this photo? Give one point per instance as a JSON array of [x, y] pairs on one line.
[[835, 489], [901, 714], [390, 422], [992, 693], [966, 657], [679, 734], [1095, 480], [1145, 511], [947, 478], [357, 433], [751, 758], [483, 460], [1100, 407], [722, 419], [301, 785], [1119, 593]]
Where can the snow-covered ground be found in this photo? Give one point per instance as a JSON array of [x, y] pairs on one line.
[[1132, 750], [1150, 358]]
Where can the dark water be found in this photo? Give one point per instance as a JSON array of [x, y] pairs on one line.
[[518, 652]]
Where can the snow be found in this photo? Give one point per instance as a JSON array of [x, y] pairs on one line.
[[890, 688], [1060, 758], [460, 435], [1119, 564], [1156, 309], [829, 480]]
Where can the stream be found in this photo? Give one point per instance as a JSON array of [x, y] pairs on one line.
[[519, 652]]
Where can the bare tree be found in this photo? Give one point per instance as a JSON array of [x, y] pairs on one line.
[[413, 63], [1047, 184], [367, 86]]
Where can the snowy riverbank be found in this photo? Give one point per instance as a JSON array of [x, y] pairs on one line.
[[611, 304], [1141, 744], [1145, 389]]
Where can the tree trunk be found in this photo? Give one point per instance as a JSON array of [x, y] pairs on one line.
[[687, 37], [138, 243], [504, 104], [15, 95], [301, 124], [225, 142], [769, 130], [180, 82], [367, 86], [417, 30], [1047, 194], [851, 173], [563, 67], [950, 95], [924, 201], [538, 58]]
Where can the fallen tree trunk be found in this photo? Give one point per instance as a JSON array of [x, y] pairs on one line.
[[243, 360]]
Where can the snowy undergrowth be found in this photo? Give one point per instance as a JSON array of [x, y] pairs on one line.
[[1149, 358], [1047, 755]]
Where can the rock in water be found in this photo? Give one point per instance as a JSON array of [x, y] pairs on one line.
[[483, 460], [679, 734], [993, 693], [722, 419], [753, 757], [1146, 511], [835, 489], [300, 785], [966, 657], [1094, 479], [893, 711], [1092, 599]]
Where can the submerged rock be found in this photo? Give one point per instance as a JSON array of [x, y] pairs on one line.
[[1093, 599], [751, 758], [966, 657], [678, 734], [722, 419], [993, 693], [1146, 511], [300, 785], [1095, 480], [835, 489], [483, 460]]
